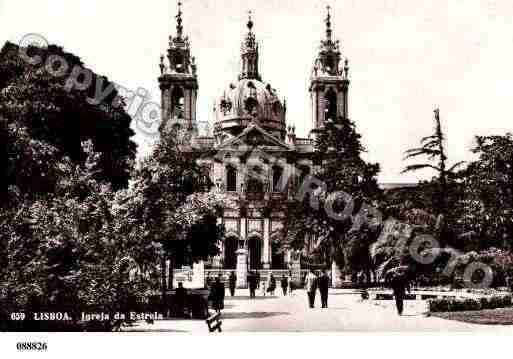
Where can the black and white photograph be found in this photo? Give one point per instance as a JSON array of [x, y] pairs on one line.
[[215, 167]]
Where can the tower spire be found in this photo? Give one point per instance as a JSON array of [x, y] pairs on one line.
[[250, 21], [179, 27], [328, 23], [249, 53], [179, 80]]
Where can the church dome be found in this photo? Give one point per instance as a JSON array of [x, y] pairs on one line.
[[250, 101]]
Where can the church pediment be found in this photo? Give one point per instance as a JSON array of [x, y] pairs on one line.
[[255, 137]]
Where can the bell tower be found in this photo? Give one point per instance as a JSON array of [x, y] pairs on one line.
[[329, 83], [179, 82]]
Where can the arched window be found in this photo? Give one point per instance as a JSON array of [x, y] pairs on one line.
[[277, 178], [251, 105], [231, 179], [179, 66], [255, 183], [304, 171], [177, 103], [331, 105]]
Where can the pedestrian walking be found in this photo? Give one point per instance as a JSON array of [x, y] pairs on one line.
[[311, 287], [399, 286], [252, 282], [284, 284], [232, 283], [257, 274], [324, 284], [217, 294], [272, 284], [181, 301]]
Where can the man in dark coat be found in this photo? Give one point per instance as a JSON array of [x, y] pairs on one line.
[[217, 294], [233, 282], [284, 284], [252, 282], [181, 299], [399, 286], [272, 284], [324, 284]]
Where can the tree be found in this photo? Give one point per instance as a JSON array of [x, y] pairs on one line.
[[49, 110], [433, 147], [485, 214], [173, 205], [64, 252], [322, 235]]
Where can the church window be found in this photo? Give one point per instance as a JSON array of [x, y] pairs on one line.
[[330, 64], [255, 183], [277, 178], [276, 108], [226, 106], [177, 102], [231, 179], [331, 105], [304, 172], [251, 105], [178, 59]]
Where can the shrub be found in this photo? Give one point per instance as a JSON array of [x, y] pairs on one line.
[[472, 304], [485, 303], [469, 304], [508, 300], [496, 302], [439, 305]]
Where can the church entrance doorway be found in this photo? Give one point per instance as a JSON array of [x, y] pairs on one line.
[[230, 252], [278, 257], [255, 253]]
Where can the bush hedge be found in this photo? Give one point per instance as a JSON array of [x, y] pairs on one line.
[[469, 304]]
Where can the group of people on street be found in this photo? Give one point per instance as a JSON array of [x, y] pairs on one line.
[[314, 282], [254, 283]]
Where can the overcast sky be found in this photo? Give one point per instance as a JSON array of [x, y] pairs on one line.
[[406, 58]]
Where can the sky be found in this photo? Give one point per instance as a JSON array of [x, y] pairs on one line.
[[406, 59]]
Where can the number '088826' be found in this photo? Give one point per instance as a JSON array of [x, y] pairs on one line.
[[31, 346]]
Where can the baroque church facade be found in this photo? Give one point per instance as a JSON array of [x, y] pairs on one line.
[[253, 154]]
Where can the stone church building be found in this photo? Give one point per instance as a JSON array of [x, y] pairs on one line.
[[253, 154]]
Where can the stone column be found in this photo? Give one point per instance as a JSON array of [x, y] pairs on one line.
[[242, 268], [198, 275], [336, 276], [267, 248], [287, 259], [295, 266]]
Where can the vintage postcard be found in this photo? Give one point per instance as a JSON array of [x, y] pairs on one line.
[[204, 166]]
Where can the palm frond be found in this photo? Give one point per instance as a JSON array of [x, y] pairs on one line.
[[431, 144], [417, 167], [415, 152], [456, 165]]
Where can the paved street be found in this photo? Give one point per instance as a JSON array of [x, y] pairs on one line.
[[290, 314]]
